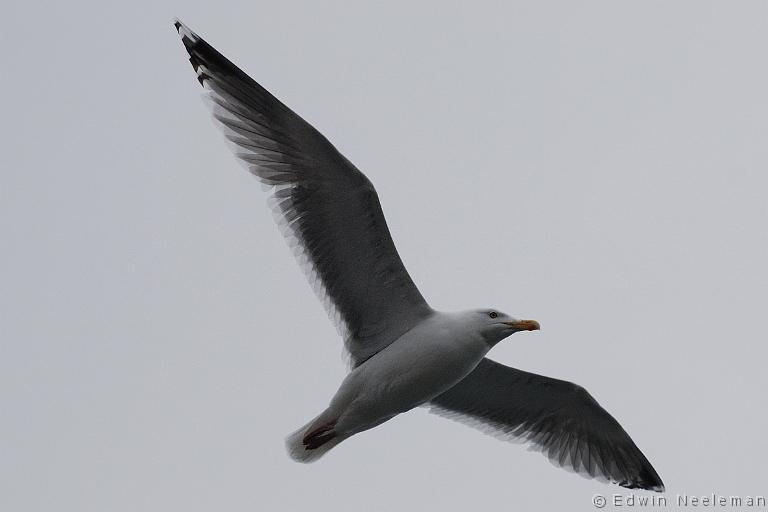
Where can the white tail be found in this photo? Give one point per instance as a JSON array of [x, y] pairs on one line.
[[300, 452]]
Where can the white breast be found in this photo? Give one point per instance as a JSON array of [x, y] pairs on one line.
[[426, 361]]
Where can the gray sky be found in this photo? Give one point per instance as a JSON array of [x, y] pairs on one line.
[[597, 166]]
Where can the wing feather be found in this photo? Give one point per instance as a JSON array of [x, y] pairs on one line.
[[327, 209], [559, 418]]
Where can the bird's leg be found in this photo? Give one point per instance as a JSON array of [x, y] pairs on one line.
[[319, 435]]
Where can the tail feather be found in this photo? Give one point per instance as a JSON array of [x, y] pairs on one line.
[[312, 441]]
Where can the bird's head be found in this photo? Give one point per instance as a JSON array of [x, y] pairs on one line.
[[494, 325]]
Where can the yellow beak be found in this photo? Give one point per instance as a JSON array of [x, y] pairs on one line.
[[524, 325]]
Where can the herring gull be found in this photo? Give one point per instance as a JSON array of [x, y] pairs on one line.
[[403, 353]]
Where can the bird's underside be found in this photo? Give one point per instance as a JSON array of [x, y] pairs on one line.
[[331, 214]]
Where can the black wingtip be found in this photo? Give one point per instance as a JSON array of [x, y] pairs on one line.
[[647, 480], [651, 479], [179, 25], [188, 37], [654, 485], [191, 42], [646, 486]]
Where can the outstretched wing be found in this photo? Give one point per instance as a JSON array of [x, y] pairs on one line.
[[328, 209], [560, 418]]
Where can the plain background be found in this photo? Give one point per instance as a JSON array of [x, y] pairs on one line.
[[597, 166]]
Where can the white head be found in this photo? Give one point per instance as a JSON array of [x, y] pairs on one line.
[[494, 326]]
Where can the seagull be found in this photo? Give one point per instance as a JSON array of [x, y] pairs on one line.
[[403, 354]]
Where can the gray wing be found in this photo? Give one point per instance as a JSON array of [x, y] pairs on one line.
[[558, 417], [328, 209]]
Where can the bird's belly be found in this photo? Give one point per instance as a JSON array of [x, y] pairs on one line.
[[397, 380]]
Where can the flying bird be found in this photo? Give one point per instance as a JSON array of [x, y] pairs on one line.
[[403, 353]]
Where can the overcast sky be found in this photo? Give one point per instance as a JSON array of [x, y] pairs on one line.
[[598, 166]]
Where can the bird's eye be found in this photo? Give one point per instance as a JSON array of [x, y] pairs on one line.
[[493, 314]]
